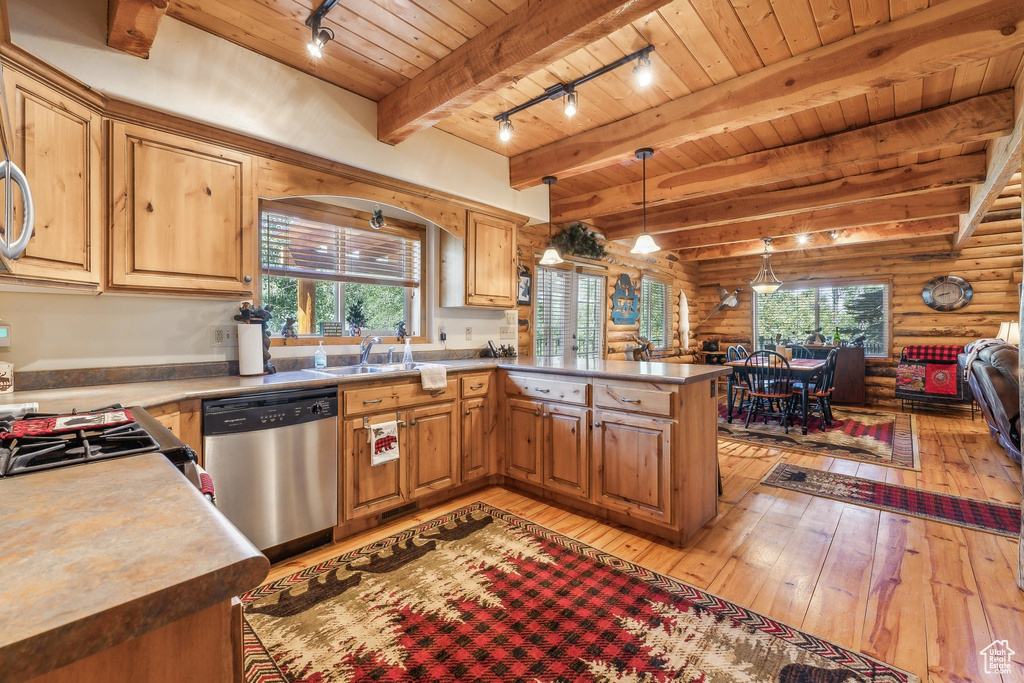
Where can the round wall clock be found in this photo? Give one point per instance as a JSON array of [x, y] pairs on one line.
[[947, 293]]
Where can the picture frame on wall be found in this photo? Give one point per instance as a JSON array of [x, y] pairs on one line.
[[524, 292]]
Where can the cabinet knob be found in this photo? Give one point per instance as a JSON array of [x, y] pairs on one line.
[[545, 414], [247, 278], [536, 412], [412, 423], [468, 411], [597, 424]]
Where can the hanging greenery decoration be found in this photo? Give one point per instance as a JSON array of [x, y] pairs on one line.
[[574, 239]]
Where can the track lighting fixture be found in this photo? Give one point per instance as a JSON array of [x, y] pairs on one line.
[[319, 39], [834, 234], [803, 238], [765, 282], [571, 103], [505, 129], [551, 256], [567, 91], [642, 71], [644, 242]]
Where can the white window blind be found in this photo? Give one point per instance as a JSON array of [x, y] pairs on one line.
[[552, 323], [589, 316], [298, 247], [791, 315], [655, 315]]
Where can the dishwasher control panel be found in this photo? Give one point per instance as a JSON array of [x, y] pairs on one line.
[[267, 411]]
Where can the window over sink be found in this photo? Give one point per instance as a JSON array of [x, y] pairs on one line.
[[326, 267]]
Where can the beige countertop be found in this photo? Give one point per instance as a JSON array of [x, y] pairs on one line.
[[168, 391], [94, 555]]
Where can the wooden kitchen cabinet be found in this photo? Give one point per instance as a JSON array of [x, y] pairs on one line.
[[368, 489], [524, 431], [633, 455], [183, 214], [566, 452], [430, 445], [480, 271], [58, 143], [476, 438]]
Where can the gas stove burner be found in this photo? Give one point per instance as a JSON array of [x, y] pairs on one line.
[[33, 453]]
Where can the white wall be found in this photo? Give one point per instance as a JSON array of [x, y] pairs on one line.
[[194, 74]]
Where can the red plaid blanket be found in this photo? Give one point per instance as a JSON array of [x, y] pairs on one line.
[[932, 352]]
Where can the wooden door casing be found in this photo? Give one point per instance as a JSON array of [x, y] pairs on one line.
[[430, 449], [633, 472], [367, 489], [524, 431], [566, 452]]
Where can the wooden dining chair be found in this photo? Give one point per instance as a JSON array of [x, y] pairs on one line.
[[742, 350], [802, 352], [738, 387], [771, 387], [819, 390]]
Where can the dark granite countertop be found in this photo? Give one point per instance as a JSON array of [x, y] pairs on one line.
[[94, 555]]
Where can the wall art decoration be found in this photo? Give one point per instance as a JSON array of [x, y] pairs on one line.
[[625, 302]]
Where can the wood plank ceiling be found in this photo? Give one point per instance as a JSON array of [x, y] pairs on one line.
[[770, 118]]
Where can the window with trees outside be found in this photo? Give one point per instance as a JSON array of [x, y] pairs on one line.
[[656, 312], [568, 314], [324, 264], [860, 312]]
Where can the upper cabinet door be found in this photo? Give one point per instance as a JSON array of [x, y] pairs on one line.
[[58, 144], [183, 214], [490, 262]]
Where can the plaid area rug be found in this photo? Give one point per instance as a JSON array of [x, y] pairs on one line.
[[480, 594], [996, 518], [874, 436]]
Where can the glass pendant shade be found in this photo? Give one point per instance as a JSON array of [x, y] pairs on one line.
[[765, 282], [644, 245], [550, 257]]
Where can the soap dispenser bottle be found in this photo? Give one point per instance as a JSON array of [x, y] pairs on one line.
[[320, 357], [407, 355]]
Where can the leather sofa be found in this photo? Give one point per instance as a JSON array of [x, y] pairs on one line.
[[993, 378]]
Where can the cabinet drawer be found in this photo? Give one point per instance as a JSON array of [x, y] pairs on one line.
[[475, 385], [633, 399], [529, 386], [383, 398]]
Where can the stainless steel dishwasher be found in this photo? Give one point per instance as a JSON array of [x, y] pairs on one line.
[[274, 457]]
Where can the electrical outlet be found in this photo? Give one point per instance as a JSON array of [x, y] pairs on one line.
[[469, 334], [223, 335], [507, 333]]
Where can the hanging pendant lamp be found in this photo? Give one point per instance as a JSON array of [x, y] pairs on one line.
[[644, 243], [550, 257], [765, 282]]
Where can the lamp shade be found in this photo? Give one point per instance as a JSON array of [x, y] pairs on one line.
[[765, 282], [644, 245], [550, 257], [1009, 332]]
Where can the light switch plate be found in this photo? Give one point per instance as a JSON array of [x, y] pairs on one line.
[[507, 333], [511, 317]]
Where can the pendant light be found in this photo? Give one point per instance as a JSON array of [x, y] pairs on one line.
[[644, 243], [550, 257], [765, 282]]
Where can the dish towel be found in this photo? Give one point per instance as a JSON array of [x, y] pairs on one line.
[[433, 376], [383, 443]]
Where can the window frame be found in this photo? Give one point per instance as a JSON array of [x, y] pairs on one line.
[[838, 282], [669, 333], [328, 213], [572, 310]]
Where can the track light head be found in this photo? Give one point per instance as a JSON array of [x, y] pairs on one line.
[[642, 71], [571, 103], [318, 40], [834, 234], [505, 130], [803, 238]]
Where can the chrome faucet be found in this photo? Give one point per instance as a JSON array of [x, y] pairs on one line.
[[391, 353], [365, 346]]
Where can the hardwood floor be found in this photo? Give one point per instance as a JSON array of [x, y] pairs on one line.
[[921, 595]]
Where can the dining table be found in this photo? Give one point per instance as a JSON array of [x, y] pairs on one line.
[[802, 370]]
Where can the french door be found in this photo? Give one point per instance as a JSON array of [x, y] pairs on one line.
[[568, 314]]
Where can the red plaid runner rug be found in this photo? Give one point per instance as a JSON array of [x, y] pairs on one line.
[[996, 518], [482, 595]]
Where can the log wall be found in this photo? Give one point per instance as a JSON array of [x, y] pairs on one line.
[[991, 261], [619, 339]]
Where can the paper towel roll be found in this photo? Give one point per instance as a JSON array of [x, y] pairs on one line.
[[250, 349]]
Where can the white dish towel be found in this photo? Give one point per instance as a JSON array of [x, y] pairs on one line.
[[433, 376], [383, 443]]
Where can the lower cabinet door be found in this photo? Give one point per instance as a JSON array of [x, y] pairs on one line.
[[566, 453], [633, 456], [476, 438], [524, 439], [369, 489], [430, 446]]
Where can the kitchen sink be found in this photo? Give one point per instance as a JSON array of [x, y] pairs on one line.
[[356, 369]]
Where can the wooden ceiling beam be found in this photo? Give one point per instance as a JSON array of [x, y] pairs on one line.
[[922, 43], [1004, 159], [884, 232], [132, 24], [949, 202], [974, 120], [890, 183], [531, 37]]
